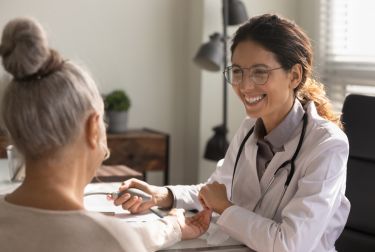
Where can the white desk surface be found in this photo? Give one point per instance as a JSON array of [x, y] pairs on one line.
[[201, 245], [6, 186], [100, 204]]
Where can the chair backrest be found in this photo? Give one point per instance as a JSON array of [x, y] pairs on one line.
[[359, 123]]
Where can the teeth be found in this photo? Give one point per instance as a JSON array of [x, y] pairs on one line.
[[254, 99]]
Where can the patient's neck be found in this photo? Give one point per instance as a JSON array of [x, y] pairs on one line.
[[52, 183]]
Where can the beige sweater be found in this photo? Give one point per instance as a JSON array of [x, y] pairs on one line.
[[37, 230]]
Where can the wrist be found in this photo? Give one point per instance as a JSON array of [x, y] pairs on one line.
[[164, 198], [224, 207]]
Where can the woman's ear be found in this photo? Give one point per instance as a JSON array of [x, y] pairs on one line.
[[92, 130], [296, 75]]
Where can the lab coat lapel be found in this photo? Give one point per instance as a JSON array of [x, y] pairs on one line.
[[253, 151], [246, 191]]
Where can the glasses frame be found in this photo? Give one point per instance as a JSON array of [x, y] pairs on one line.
[[229, 68]]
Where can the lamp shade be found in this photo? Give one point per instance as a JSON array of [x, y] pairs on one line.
[[210, 55], [236, 12], [217, 146]]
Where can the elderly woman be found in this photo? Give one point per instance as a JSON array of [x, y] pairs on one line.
[[54, 115]]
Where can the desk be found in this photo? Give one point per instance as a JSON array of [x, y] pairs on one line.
[[229, 245], [201, 245], [184, 246], [102, 205]]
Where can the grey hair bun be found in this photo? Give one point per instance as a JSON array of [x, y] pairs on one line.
[[24, 47]]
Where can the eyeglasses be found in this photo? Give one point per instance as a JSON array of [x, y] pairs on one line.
[[258, 75]]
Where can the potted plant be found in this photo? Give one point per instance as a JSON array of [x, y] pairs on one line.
[[117, 104]]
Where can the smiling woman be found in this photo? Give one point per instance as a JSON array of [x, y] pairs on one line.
[[283, 177], [269, 92]]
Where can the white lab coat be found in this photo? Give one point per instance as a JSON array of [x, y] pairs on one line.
[[314, 209]]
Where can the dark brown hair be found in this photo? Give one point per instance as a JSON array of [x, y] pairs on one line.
[[290, 44]]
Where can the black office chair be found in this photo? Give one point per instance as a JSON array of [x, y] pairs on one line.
[[359, 123]]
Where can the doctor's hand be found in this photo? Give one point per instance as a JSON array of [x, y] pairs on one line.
[[214, 196], [160, 196], [194, 226]]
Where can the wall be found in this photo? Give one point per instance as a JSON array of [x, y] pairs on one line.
[[308, 18], [140, 46], [147, 47]]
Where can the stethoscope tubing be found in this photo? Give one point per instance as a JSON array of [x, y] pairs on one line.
[[290, 161]]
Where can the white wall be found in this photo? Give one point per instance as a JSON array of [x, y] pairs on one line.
[[211, 85], [146, 47], [140, 46]]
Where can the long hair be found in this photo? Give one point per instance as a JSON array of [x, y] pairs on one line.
[[290, 44]]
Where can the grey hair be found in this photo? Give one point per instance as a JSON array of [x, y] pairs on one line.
[[46, 103]]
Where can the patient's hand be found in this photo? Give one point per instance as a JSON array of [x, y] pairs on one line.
[[194, 226]]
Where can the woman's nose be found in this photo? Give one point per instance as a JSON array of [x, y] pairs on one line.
[[247, 83]]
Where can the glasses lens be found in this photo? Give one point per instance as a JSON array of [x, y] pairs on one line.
[[259, 75], [234, 75]]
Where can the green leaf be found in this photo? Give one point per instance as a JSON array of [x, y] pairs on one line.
[[117, 100]]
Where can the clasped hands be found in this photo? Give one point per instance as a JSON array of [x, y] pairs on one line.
[[214, 197]]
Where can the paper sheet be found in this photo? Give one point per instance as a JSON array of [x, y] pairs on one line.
[[99, 203]]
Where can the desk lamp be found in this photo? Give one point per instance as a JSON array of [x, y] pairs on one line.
[[212, 56]]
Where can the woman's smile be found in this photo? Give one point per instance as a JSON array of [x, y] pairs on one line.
[[253, 100]]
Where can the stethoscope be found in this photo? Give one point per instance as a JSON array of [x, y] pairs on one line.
[[290, 161]]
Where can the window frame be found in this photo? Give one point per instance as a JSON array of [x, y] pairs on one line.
[[340, 77]]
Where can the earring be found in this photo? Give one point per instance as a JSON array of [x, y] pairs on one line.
[[107, 151], [107, 154]]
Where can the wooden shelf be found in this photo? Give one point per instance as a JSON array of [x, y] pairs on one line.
[[115, 173], [140, 149]]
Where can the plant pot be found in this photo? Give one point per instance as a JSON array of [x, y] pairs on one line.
[[117, 121]]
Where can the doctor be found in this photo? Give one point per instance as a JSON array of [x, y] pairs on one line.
[[282, 182]]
